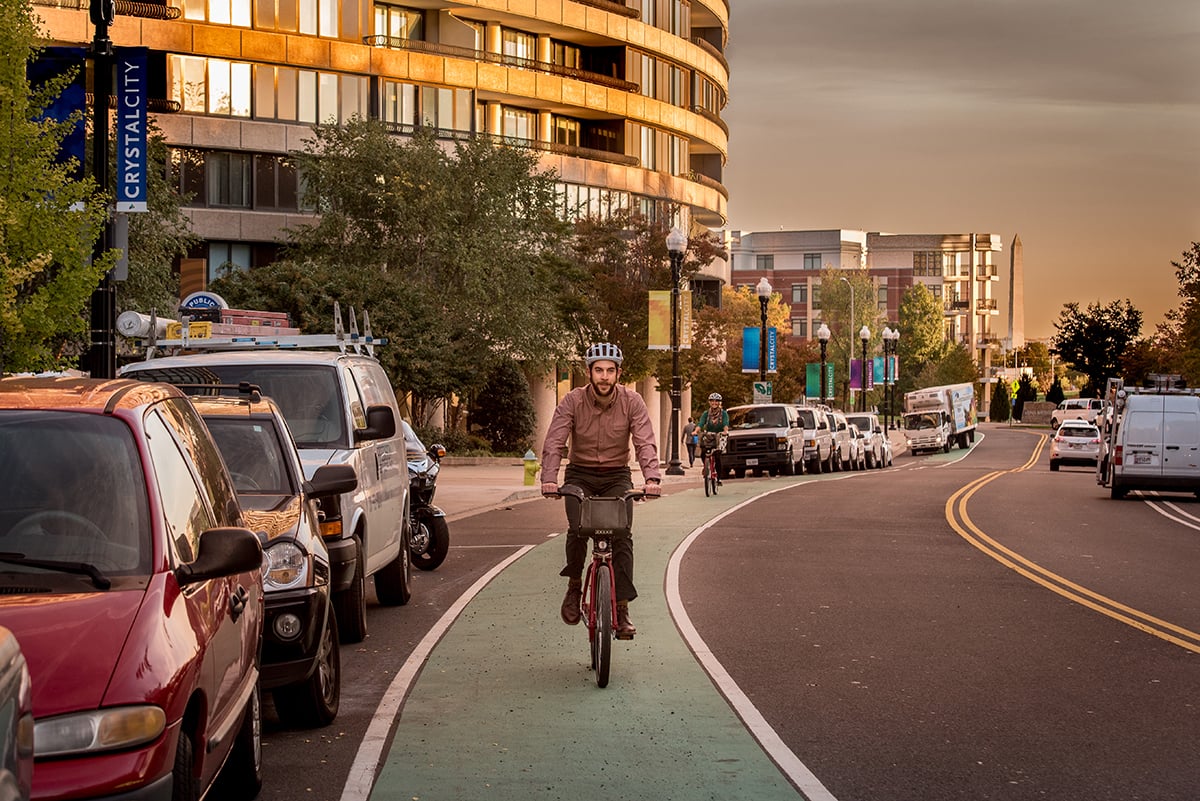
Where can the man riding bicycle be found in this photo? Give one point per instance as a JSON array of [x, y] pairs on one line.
[[599, 420], [715, 420]]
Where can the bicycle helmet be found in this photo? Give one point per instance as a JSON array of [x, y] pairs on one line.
[[604, 351], [715, 396]]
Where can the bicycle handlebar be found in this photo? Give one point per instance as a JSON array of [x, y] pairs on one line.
[[573, 491]]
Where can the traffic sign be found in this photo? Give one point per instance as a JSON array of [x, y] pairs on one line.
[[762, 391]]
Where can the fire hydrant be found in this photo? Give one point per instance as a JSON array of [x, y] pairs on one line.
[[531, 468]]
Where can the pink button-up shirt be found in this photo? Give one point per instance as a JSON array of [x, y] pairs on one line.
[[600, 435]]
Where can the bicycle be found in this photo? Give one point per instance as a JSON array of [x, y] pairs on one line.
[[602, 519], [710, 444]]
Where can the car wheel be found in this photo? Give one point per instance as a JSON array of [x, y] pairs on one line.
[[351, 604], [393, 584], [1054, 465], [315, 701], [739, 472], [789, 466], [185, 785], [242, 776]]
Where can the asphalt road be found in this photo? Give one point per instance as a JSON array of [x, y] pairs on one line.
[[952, 628]]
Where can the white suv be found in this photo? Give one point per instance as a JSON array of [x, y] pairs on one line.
[[1077, 409], [341, 409]]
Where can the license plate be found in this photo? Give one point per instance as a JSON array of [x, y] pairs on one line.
[[1141, 458], [751, 462]]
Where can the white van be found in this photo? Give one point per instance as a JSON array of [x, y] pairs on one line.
[[1156, 445], [341, 409]]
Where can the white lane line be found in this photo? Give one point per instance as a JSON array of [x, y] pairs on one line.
[[366, 761], [1158, 508], [796, 771]]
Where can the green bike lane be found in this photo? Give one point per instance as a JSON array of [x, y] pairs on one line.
[[506, 707]]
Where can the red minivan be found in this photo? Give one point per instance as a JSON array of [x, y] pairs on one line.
[[134, 589]]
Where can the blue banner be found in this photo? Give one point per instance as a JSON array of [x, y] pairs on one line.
[[54, 61], [131, 129], [752, 346]]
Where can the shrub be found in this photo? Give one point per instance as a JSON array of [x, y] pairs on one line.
[[503, 412]]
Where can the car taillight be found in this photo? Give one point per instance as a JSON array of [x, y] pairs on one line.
[[1059, 437], [1117, 454]]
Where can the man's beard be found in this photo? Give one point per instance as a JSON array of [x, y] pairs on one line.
[[604, 391]]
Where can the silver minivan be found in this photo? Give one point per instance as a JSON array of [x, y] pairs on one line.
[[1156, 445], [341, 409]]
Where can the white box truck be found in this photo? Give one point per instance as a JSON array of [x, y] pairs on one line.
[[937, 418]]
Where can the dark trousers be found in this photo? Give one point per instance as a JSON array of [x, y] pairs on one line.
[[691, 450], [598, 482]]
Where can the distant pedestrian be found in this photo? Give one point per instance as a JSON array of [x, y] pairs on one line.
[[691, 437]]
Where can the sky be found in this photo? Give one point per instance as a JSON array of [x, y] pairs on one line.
[[1074, 124]]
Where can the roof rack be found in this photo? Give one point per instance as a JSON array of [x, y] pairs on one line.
[[200, 339]]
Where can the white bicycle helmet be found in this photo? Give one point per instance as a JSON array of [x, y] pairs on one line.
[[716, 396], [604, 351]]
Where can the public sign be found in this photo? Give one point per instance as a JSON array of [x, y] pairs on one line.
[[812, 379], [131, 129], [762, 391], [659, 328], [752, 346]]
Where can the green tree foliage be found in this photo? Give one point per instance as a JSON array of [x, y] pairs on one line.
[[1093, 340], [1175, 348], [503, 411], [459, 256], [922, 341], [998, 412], [1035, 357], [1055, 394], [844, 341], [46, 272]]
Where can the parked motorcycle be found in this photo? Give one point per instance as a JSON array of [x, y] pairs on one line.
[[429, 540]]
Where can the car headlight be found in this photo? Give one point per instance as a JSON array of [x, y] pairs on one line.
[[285, 565], [98, 730]]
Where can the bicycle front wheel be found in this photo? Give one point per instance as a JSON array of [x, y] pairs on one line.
[[709, 484], [603, 636]]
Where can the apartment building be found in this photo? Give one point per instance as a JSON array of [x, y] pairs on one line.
[[622, 98], [959, 270]]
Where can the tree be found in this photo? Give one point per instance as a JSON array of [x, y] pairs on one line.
[[999, 409], [1055, 394], [503, 413], [461, 257], [1026, 392], [922, 340], [1035, 357], [48, 219], [1177, 341], [1094, 340]]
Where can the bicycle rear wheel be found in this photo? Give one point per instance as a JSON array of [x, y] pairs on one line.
[[603, 636]]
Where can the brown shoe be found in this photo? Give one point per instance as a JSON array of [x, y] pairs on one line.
[[570, 604], [625, 627]]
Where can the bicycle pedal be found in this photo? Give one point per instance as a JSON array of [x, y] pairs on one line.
[[624, 636]]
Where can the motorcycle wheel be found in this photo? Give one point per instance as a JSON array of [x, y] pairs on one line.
[[430, 542]]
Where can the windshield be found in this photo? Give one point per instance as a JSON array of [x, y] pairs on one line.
[[765, 417], [307, 394], [253, 453], [72, 492], [807, 418], [863, 422], [919, 422]]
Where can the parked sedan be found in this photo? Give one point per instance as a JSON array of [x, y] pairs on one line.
[[301, 662], [135, 591], [1075, 442], [858, 443]]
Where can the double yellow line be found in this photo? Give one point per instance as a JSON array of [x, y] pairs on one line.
[[960, 521]]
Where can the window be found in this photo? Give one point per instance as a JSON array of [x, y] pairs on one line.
[[226, 258], [274, 183], [219, 12], [211, 86], [396, 22], [229, 179], [816, 297], [519, 123], [800, 294], [566, 131], [927, 263], [800, 327], [812, 261], [881, 294], [764, 262], [183, 508], [566, 55], [518, 44], [319, 17], [399, 103]]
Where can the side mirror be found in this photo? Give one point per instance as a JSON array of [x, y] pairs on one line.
[[437, 451], [331, 479], [381, 424], [223, 552]]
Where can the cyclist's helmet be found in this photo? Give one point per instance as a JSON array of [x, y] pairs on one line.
[[604, 351], [716, 396]]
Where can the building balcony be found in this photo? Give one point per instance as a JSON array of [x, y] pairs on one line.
[[534, 144], [612, 7], [988, 273], [986, 304], [453, 51], [712, 50], [711, 183]]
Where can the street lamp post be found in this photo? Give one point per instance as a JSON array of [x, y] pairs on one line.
[[102, 356], [823, 337], [676, 245], [891, 339], [864, 334], [850, 349], [764, 295]]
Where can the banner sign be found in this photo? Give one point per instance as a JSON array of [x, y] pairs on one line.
[[131, 129], [50, 63], [659, 325], [752, 345], [812, 379], [857, 375]]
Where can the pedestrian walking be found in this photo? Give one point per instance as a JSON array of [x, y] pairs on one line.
[[691, 437]]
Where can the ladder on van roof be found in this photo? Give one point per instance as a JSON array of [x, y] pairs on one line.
[[197, 338]]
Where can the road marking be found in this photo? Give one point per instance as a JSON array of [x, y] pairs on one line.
[[1181, 512], [787, 761], [956, 510], [366, 761]]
